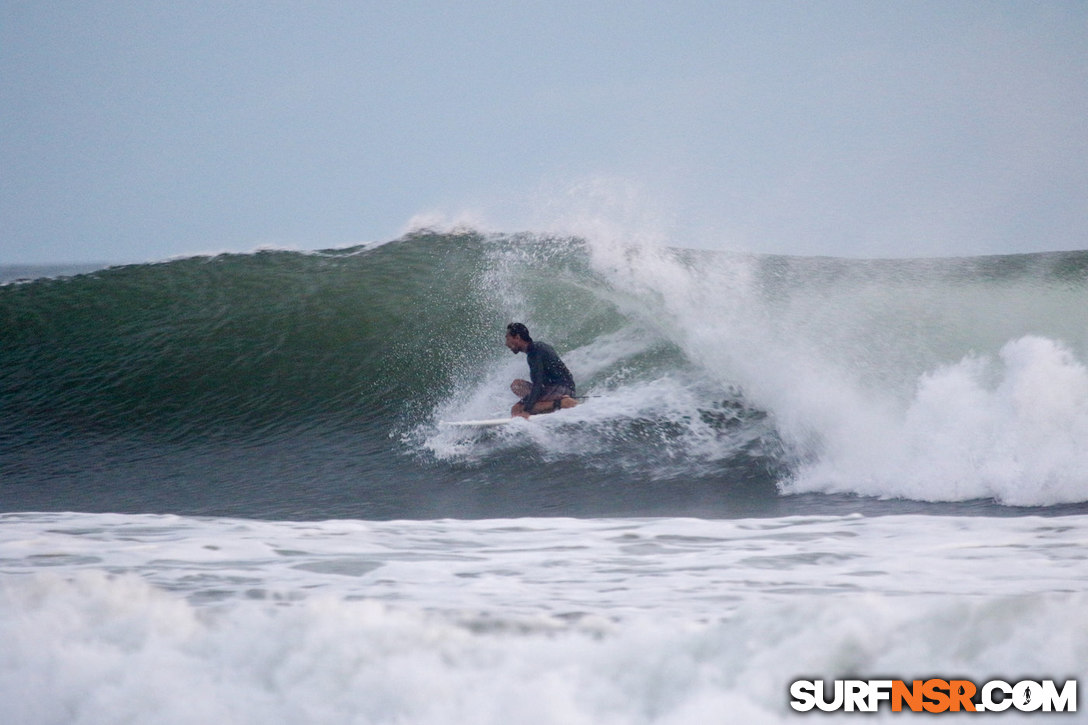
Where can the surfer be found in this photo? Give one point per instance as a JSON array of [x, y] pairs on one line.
[[550, 385]]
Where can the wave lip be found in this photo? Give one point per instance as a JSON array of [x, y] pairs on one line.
[[286, 375]]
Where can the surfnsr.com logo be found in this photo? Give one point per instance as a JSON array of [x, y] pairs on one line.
[[933, 695]]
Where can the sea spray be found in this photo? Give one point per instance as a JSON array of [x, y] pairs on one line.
[[718, 381], [1013, 428], [856, 364]]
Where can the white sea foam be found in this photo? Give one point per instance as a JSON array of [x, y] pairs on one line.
[[1014, 428], [942, 380], [885, 381], [109, 618]]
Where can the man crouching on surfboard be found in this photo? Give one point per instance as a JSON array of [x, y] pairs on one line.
[[551, 386]]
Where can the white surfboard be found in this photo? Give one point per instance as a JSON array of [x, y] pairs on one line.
[[490, 422], [486, 423]]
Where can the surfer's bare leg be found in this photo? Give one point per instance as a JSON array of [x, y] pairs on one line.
[[544, 405], [520, 388], [547, 404]]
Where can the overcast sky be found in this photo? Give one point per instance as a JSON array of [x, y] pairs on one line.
[[134, 131]]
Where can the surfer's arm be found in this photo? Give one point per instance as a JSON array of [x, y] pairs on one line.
[[536, 375]]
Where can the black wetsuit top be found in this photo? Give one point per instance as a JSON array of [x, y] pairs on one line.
[[546, 370]]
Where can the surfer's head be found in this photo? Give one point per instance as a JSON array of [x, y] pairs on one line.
[[517, 337]]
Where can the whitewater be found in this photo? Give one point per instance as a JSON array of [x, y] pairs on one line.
[[139, 618], [225, 493]]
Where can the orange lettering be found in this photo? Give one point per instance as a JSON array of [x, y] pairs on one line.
[[912, 696], [961, 692], [935, 690]]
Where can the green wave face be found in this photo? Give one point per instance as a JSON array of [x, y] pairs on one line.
[[703, 365]]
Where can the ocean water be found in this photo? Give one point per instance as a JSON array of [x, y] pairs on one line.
[[225, 492]]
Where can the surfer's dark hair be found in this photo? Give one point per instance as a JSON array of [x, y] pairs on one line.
[[517, 329]]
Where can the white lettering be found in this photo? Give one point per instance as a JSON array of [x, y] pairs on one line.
[[988, 698], [1027, 696], [856, 695], [821, 698], [1065, 701], [879, 690], [994, 696], [804, 695]]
